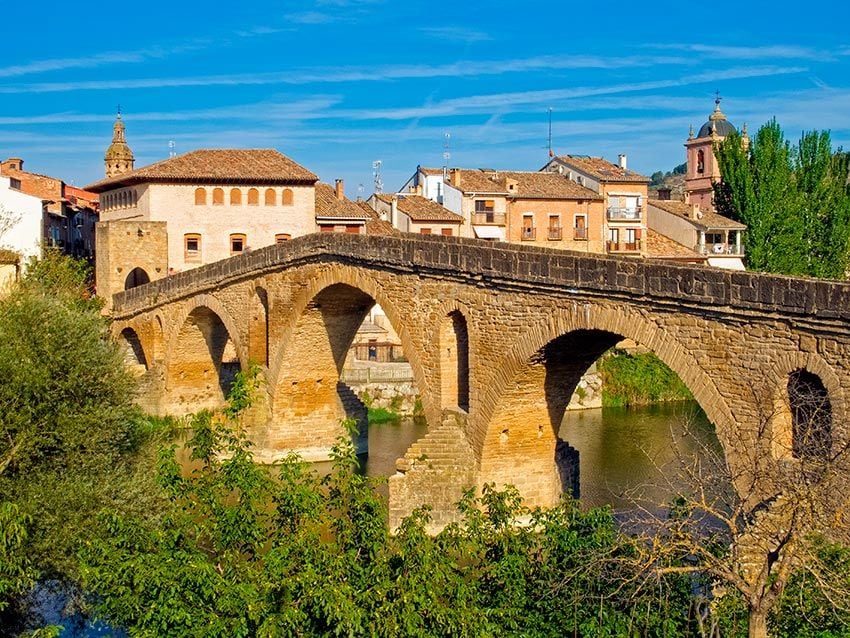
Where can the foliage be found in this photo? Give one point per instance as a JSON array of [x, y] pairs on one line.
[[658, 177], [638, 378], [794, 200], [17, 573], [382, 415], [71, 439]]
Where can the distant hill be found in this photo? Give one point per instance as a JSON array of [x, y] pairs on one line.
[[674, 180]]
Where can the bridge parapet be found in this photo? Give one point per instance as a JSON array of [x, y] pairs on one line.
[[506, 266]]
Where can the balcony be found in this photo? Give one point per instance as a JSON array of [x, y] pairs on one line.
[[492, 219], [623, 247], [616, 213], [580, 233], [555, 233], [719, 249], [529, 233]]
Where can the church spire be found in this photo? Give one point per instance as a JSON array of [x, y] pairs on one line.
[[118, 158]]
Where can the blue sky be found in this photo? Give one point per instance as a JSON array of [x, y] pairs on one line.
[[337, 84]]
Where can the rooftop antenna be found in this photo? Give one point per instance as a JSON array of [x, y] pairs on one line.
[[447, 155], [376, 173], [360, 191], [551, 154], [171, 146]]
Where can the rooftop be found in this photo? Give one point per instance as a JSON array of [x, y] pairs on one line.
[[660, 247], [329, 205], [537, 185], [228, 166], [705, 220], [601, 169], [421, 209], [374, 224]]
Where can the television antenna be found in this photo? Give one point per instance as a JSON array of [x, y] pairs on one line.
[[447, 155], [376, 173], [171, 147], [551, 153]]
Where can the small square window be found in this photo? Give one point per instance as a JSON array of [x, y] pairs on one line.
[[237, 244]]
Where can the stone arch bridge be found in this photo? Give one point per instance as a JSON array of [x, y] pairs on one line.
[[498, 336]]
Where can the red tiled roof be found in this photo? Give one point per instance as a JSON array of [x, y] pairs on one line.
[[422, 209], [229, 166], [707, 220], [660, 247], [537, 185], [601, 169], [329, 205], [374, 224]]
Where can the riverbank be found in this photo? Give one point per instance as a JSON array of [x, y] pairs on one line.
[[638, 377]]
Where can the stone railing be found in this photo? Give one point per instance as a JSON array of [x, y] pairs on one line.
[[571, 274]]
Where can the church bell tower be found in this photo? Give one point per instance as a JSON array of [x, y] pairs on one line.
[[119, 158]]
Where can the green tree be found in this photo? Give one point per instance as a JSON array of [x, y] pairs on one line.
[[794, 201], [70, 435]]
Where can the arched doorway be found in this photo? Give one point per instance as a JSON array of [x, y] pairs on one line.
[[454, 361], [136, 277]]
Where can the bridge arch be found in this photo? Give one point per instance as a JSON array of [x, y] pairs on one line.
[[131, 345], [454, 349], [515, 431], [204, 353], [804, 389], [307, 397]]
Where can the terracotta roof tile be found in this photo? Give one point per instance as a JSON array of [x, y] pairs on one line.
[[329, 205], [422, 209], [374, 224], [601, 169], [707, 221], [259, 166], [660, 247], [537, 185]]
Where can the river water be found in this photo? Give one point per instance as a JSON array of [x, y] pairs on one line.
[[623, 452]]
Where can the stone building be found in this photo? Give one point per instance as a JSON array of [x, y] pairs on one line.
[[68, 214], [336, 213], [703, 170], [624, 194]]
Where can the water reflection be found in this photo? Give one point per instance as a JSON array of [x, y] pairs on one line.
[[635, 449]]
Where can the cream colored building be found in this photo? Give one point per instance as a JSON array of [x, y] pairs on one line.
[[411, 213]]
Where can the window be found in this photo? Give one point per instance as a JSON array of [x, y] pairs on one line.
[[528, 233], [286, 197], [713, 238], [352, 230], [447, 232], [613, 235], [700, 162], [580, 227], [424, 231], [237, 243], [630, 235], [271, 197], [253, 197], [282, 237], [326, 228], [218, 196], [192, 247], [484, 205], [235, 197]]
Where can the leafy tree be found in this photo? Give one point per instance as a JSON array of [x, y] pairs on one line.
[[794, 201], [70, 435]]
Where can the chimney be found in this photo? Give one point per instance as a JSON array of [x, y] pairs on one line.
[[455, 176], [622, 161], [13, 164], [339, 189], [394, 211], [419, 189], [695, 211]]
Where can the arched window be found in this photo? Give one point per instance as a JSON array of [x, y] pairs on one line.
[[235, 197], [271, 197], [700, 162], [218, 196], [286, 197], [200, 197], [253, 197]]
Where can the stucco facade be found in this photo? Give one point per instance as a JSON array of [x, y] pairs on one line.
[[24, 236]]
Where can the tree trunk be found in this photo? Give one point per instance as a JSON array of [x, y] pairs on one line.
[[757, 623]]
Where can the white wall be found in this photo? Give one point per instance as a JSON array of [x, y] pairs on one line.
[[26, 235]]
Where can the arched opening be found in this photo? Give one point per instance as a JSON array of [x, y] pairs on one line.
[[202, 362], [286, 197], [235, 197], [601, 453], [253, 197], [136, 277], [218, 196], [341, 353], [811, 416], [270, 197], [454, 361], [258, 328], [134, 354], [200, 197]]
